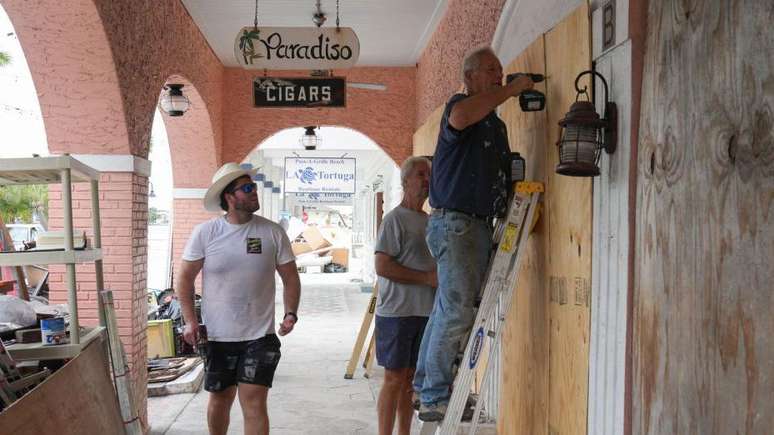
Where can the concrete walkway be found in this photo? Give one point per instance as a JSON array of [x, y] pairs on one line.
[[310, 394]]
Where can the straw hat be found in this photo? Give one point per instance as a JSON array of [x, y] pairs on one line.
[[226, 174]]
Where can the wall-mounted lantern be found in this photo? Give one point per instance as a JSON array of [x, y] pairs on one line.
[[310, 140], [173, 102], [585, 134]]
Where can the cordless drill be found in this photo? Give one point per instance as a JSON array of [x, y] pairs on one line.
[[530, 100]]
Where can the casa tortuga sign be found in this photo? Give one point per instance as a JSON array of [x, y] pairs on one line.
[[320, 175], [299, 92], [296, 47]]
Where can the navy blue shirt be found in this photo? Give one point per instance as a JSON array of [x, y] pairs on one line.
[[471, 168]]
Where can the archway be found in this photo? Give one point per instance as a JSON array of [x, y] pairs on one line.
[[346, 216], [194, 159], [21, 122], [81, 106], [160, 218]]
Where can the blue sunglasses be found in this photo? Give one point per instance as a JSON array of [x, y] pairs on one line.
[[246, 188]]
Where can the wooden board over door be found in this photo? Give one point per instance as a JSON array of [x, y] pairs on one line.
[[568, 210], [703, 348], [524, 390]]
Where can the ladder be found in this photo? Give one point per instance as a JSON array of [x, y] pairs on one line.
[[361, 337], [510, 239]]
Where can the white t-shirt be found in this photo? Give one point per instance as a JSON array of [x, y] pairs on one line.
[[238, 275]]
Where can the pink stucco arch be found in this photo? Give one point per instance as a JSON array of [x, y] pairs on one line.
[[98, 72], [191, 140], [71, 63]]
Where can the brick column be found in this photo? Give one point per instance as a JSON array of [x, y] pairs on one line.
[[187, 212], [123, 201]]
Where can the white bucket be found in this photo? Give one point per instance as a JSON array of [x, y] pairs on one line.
[[52, 331]]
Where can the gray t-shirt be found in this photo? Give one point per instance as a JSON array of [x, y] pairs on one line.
[[402, 237]]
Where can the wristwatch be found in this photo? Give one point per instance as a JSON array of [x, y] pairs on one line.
[[290, 313]]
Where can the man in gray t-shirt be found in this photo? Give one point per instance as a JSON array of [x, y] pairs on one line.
[[407, 281]]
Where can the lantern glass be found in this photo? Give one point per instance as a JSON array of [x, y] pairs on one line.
[[580, 144], [309, 141], [579, 151], [174, 104]]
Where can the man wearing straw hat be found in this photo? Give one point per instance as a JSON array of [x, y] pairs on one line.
[[238, 254]]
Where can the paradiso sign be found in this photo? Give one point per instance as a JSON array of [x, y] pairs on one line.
[[319, 175], [296, 47]]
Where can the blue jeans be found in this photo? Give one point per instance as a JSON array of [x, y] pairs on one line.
[[461, 245]]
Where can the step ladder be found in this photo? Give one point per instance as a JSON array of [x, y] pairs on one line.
[[361, 338], [510, 239]]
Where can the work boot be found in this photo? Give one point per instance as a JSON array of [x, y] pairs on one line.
[[434, 412]]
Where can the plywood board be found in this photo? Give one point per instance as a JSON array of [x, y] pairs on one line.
[[426, 136], [568, 203], [52, 406], [524, 390], [703, 348]]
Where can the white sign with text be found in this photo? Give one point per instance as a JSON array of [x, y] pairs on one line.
[[296, 48], [324, 198], [319, 175]]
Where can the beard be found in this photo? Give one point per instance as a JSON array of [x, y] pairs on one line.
[[248, 205]]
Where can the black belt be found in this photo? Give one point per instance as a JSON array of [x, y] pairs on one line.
[[473, 215]]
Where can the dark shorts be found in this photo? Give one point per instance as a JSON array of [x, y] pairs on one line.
[[243, 362], [397, 341]]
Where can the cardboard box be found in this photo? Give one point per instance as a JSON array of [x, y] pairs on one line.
[[300, 248], [314, 238], [340, 256]]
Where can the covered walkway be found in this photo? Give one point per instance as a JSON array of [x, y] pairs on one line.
[[310, 394]]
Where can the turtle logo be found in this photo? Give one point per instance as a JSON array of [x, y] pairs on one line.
[[306, 175]]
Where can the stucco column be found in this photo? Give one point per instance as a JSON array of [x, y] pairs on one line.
[[123, 202]]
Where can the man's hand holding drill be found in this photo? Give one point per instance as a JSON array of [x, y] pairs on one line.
[[530, 100], [519, 82]]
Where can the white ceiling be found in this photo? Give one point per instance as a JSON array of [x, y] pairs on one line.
[[391, 32]]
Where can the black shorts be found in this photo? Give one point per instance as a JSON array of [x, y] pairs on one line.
[[244, 362]]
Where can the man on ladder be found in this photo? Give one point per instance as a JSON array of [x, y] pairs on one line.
[[469, 186]]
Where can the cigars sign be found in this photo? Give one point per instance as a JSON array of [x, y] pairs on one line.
[[299, 92], [296, 48]]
